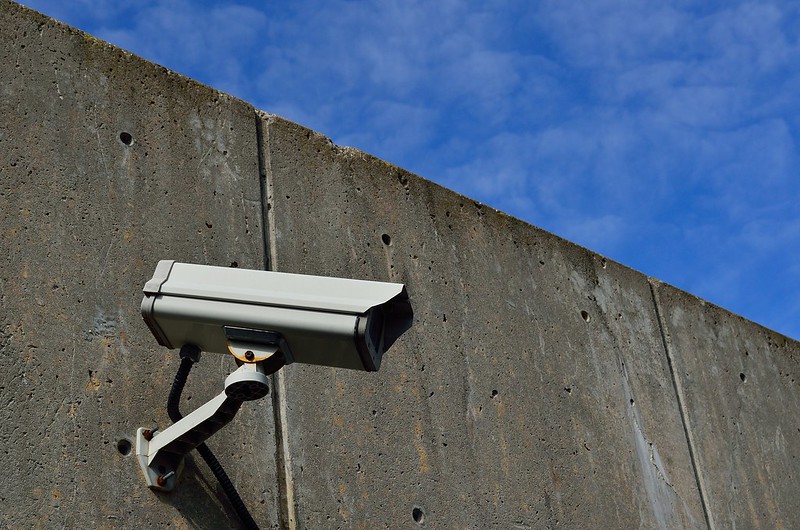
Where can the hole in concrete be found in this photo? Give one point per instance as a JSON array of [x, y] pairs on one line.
[[418, 515], [124, 447], [604, 263], [743, 377], [234, 264], [586, 316], [126, 138], [494, 394], [386, 239]]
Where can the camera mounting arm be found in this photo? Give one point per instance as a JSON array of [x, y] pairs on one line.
[[161, 453]]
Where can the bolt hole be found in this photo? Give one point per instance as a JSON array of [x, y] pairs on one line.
[[386, 239], [586, 316], [418, 515], [126, 138], [743, 377], [124, 447]]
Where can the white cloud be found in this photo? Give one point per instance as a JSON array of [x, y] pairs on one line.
[[612, 33]]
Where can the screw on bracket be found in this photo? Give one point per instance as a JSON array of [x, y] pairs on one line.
[[162, 479], [149, 433]]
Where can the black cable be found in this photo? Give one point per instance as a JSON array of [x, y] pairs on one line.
[[189, 356]]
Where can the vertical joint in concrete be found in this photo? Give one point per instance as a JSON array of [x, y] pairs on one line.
[[286, 503], [262, 182], [678, 387]]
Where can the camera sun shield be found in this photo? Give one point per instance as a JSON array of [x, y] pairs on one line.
[[335, 322]]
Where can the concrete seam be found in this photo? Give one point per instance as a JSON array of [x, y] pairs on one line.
[[262, 183], [281, 432], [679, 394], [285, 479]]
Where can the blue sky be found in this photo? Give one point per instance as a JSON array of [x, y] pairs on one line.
[[661, 134]]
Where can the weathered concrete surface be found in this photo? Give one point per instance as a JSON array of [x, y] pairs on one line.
[[83, 220], [503, 406], [740, 386]]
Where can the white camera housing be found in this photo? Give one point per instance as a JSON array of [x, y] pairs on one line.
[[254, 314]]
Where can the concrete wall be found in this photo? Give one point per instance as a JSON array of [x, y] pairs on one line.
[[542, 385]]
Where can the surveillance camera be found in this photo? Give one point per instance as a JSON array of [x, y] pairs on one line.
[[266, 320], [278, 318]]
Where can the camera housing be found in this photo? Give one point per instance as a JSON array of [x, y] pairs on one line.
[[260, 315]]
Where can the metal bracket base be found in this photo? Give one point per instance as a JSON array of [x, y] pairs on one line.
[[158, 478]]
